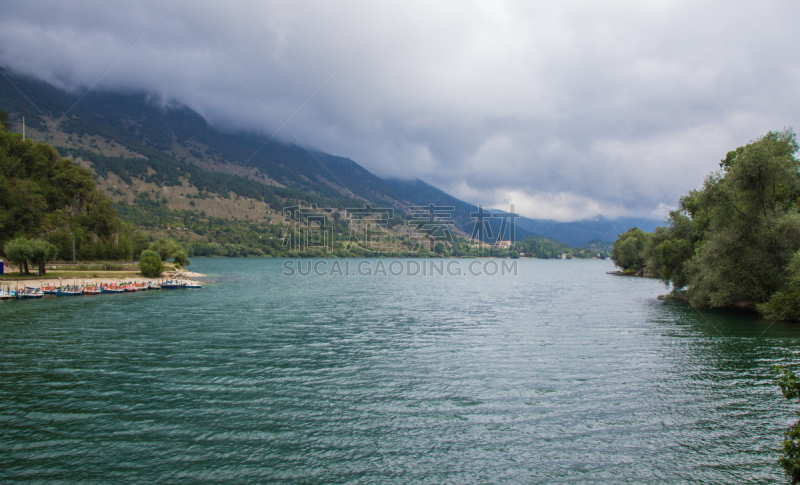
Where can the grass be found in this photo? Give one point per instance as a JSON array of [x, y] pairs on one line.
[[73, 274], [104, 270], [99, 267]]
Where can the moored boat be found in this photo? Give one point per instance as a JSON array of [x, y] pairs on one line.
[[30, 292], [192, 285], [171, 285], [92, 290], [69, 291], [111, 288], [130, 287]]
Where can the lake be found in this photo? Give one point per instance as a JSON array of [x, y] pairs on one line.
[[559, 373]]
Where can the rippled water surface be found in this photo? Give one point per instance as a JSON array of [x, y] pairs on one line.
[[562, 374]]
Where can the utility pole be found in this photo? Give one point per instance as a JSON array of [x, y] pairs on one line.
[[73, 247], [23, 128]]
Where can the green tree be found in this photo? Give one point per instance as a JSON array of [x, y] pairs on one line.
[[18, 251], [5, 124], [730, 243], [166, 248], [140, 241], [41, 193], [628, 251], [670, 248], [150, 264], [784, 304], [26, 207], [182, 258], [752, 224], [41, 252]]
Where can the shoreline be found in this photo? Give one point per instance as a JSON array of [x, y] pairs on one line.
[[35, 281]]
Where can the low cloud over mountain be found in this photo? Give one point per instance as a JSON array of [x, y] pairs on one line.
[[565, 110]]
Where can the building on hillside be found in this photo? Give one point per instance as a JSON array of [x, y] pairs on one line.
[[481, 246]]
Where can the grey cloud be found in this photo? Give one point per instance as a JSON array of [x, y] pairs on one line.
[[612, 112]]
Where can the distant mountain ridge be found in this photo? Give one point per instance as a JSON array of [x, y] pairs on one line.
[[130, 124], [576, 233]]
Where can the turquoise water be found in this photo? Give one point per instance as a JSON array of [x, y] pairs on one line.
[[560, 374]]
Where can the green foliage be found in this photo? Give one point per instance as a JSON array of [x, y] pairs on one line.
[[670, 248], [784, 304], [45, 196], [730, 243], [542, 247], [18, 251], [170, 248], [38, 252], [750, 222], [150, 264], [41, 252], [790, 459], [5, 124], [628, 251], [788, 382], [182, 258], [139, 242], [166, 248]]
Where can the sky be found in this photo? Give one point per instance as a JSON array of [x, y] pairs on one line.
[[567, 110]]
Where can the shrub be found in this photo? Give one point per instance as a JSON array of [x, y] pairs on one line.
[[181, 258], [150, 263]]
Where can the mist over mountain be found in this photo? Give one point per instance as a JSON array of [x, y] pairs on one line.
[[136, 124], [566, 110]]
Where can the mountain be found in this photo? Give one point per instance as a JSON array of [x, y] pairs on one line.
[[132, 136], [144, 128], [575, 234], [581, 232], [421, 194]]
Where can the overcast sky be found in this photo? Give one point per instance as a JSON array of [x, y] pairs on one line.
[[566, 109]]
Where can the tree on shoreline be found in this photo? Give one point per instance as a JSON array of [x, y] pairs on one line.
[[38, 252], [18, 252], [730, 243], [169, 248], [628, 251], [150, 264], [41, 252]]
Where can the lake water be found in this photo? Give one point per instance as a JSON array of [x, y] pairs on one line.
[[560, 374]]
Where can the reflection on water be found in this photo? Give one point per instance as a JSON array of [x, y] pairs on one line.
[[560, 374]]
